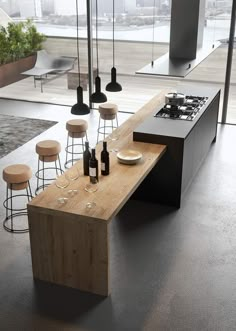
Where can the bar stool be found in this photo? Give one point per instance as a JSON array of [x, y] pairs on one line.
[[108, 112], [76, 129], [17, 177], [48, 151]]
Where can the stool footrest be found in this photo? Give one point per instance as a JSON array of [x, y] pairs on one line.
[[41, 187], [70, 161], [37, 174], [9, 229]]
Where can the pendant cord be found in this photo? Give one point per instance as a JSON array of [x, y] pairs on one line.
[[77, 38], [113, 34], [97, 35], [214, 28], [153, 30]]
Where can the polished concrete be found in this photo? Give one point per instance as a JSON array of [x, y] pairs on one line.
[[171, 270]]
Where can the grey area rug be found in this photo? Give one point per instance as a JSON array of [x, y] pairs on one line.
[[16, 131]]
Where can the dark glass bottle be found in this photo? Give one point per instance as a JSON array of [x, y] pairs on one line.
[[105, 161], [93, 167], [86, 158]]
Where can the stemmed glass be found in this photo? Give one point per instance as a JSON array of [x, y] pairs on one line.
[[62, 182], [113, 136], [91, 187], [72, 174]]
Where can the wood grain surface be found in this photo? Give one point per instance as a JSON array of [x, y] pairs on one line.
[[69, 242], [113, 190]]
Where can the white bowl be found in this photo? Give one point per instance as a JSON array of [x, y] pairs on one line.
[[129, 156]]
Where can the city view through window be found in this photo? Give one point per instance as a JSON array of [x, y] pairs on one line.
[[135, 20], [139, 25]]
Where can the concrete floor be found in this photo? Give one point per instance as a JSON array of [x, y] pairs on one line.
[[170, 269]]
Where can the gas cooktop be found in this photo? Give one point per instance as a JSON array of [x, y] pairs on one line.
[[187, 111]]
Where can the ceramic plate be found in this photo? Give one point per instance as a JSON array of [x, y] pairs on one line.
[[129, 156]]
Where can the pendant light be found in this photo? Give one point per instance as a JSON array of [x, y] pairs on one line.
[[97, 96], [79, 108], [113, 86]]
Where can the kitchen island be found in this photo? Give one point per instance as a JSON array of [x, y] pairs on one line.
[[70, 242], [188, 143]]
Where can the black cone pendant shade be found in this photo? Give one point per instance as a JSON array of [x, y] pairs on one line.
[[113, 86], [97, 96], [79, 108]]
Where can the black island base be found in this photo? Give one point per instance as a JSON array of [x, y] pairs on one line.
[[188, 133]]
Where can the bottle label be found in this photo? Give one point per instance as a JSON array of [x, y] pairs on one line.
[[103, 166], [92, 172]]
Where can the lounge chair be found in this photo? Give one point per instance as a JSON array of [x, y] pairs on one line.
[[48, 64]]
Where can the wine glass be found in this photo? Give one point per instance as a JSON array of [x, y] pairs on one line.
[[72, 174], [91, 187], [113, 136], [62, 182]]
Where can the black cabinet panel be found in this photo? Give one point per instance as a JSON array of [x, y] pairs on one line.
[[188, 144]]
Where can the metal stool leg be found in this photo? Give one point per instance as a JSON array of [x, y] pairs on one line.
[[59, 162], [72, 148], [83, 144], [98, 127], [67, 146], [44, 177], [57, 173], [38, 176], [29, 191], [43, 174], [117, 121], [11, 207], [104, 131], [15, 212], [7, 202]]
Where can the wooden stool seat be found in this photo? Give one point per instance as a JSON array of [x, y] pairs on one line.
[[17, 176], [108, 110], [76, 128], [74, 149], [48, 150]]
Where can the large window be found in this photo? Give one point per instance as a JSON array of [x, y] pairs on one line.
[[138, 24], [134, 18]]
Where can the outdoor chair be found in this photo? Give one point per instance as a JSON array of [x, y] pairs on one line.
[[48, 64]]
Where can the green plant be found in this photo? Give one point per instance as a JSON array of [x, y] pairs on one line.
[[3, 45], [19, 40]]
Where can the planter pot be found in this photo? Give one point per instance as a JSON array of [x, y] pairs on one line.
[[11, 72]]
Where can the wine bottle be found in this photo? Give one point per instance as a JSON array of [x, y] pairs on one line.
[[105, 161], [93, 167], [86, 158]]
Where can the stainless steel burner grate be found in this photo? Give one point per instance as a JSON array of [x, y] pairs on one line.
[[187, 111]]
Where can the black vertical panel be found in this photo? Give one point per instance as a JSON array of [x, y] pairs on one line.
[[186, 24]]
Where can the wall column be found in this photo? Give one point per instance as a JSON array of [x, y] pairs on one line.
[[187, 25]]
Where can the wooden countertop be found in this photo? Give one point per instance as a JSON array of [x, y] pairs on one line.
[[113, 190]]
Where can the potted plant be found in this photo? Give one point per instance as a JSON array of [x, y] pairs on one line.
[[19, 43]]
